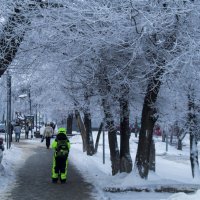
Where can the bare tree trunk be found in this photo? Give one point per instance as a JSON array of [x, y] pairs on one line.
[[112, 138], [104, 89], [194, 156], [89, 137], [152, 159], [88, 125], [69, 123], [180, 145], [163, 137], [114, 151], [125, 157], [193, 129], [98, 137], [81, 127], [171, 138], [147, 124]]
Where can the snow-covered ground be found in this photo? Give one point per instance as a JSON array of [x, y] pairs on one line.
[[13, 160], [172, 168]]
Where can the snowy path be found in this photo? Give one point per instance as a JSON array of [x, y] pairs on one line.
[[34, 178]]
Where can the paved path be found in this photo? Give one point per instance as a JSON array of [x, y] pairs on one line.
[[34, 179]]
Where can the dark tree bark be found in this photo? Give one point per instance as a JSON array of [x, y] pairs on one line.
[[163, 136], [125, 157], [112, 138], [147, 124], [180, 134], [104, 90], [89, 137], [179, 145], [98, 137], [152, 159], [194, 155], [69, 123], [171, 137], [193, 129], [88, 125]]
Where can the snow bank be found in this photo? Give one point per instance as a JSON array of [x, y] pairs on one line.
[[12, 160], [181, 196]]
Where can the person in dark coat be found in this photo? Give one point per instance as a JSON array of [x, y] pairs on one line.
[[17, 130], [26, 130]]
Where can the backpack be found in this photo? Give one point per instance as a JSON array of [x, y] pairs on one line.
[[48, 131], [62, 149]]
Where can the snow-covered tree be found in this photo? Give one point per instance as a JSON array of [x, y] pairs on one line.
[[104, 58]]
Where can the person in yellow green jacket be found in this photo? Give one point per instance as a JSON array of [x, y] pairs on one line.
[[61, 146]]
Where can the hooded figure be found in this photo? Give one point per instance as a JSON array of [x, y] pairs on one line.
[[61, 146]]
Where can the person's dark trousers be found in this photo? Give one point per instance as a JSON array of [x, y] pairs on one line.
[[60, 168], [48, 139], [26, 135]]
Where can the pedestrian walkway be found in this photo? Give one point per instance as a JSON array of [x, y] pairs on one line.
[[34, 179]]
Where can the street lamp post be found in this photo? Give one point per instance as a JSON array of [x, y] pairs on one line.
[[8, 119], [29, 99], [30, 107]]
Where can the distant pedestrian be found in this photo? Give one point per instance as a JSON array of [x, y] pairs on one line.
[[26, 130], [11, 129], [17, 130], [61, 145], [30, 126], [47, 134]]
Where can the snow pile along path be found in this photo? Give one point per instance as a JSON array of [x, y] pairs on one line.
[[13, 160]]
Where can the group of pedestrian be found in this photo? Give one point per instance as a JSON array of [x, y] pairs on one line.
[[17, 128], [61, 147]]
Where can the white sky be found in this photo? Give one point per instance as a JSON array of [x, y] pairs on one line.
[[172, 168]]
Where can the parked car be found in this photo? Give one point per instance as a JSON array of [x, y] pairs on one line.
[[2, 128]]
